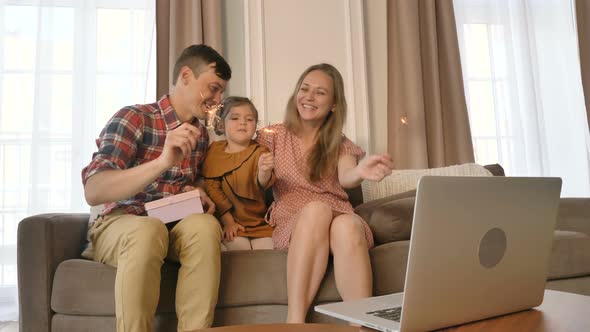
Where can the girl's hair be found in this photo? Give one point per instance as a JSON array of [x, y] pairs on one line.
[[226, 105], [323, 157]]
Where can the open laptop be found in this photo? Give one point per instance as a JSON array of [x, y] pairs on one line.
[[479, 248]]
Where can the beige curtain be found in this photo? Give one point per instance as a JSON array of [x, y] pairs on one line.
[[583, 22], [428, 125], [180, 23]]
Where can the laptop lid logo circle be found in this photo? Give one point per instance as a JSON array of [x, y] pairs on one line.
[[492, 247]]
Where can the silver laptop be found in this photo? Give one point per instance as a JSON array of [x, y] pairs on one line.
[[479, 248]]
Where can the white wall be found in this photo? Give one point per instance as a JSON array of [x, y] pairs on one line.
[[233, 41], [376, 46], [282, 38]]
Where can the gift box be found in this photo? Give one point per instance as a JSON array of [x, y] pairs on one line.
[[176, 207]]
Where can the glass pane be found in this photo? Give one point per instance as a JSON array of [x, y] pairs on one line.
[[62, 36], [503, 108], [17, 103], [113, 40], [9, 274], [481, 109], [61, 105], [60, 174], [15, 166], [112, 93], [486, 150], [50, 192], [498, 50], [20, 24], [478, 53], [8, 226], [139, 45]]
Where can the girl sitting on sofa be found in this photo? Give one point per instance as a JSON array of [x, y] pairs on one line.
[[237, 171], [311, 211]]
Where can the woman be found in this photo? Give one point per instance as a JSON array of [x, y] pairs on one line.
[[311, 212]]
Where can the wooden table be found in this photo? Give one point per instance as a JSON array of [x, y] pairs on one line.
[[560, 311]]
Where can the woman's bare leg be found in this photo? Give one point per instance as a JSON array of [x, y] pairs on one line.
[[307, 259], [352, 266]]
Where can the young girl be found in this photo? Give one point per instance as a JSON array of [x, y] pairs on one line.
[[237, 171]]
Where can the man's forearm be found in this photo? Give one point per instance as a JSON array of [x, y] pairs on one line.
[[115, 185]]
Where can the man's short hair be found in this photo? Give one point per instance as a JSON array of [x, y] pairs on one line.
[[198, 56]]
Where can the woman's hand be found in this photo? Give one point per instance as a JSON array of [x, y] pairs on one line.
[[375, 167]]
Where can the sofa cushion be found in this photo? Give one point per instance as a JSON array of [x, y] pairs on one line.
[[570, 255], [390, 219], [405, 180], [247, 278]]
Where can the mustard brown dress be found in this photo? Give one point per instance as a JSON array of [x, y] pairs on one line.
[[232, 183], [292, 190]]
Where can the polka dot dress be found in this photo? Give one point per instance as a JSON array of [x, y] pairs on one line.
[[292, 190]]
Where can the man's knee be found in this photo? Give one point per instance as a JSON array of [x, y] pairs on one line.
[[150, 234], [202, 224]]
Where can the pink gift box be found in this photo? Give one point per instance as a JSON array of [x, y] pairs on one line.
[[175, 207]]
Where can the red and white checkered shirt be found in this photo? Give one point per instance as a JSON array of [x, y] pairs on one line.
[[136, 135]]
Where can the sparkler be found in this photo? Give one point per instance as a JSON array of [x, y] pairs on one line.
[[212, 117], [267, 130]]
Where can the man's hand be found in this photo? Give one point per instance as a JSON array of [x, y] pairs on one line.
[[179, 144], [208, 205], [266, 163]]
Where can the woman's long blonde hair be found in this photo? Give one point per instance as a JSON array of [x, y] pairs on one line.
[[322, 160]]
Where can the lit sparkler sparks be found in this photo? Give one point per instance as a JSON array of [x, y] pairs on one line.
[[212, 117]]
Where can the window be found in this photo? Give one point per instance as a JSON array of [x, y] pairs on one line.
[[65, 67], [524, 94]]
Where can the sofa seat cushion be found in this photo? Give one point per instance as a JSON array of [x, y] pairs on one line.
[[84, 287], [570, 255]]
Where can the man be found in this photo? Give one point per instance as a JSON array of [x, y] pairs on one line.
[[146, 152]]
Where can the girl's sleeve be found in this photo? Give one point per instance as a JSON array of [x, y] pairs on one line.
[[222, 203]]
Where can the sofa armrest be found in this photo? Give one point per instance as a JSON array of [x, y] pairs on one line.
[[574, 215], [44, 241]]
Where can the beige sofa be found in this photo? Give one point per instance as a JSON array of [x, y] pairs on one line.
[[60, 291]]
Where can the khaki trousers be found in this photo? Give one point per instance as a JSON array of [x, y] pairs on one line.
[[137, 246]]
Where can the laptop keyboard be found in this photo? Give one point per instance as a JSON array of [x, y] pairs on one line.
[[393, 314]]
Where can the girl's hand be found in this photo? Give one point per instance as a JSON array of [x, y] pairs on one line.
[[375, 167], [230, 231], [266, 163]]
